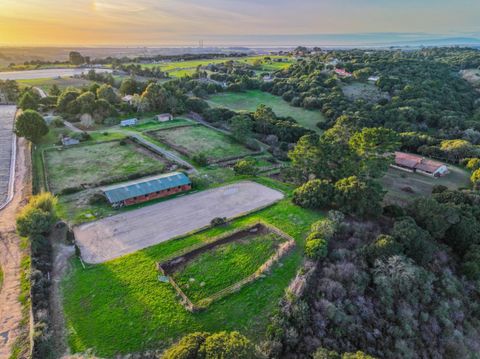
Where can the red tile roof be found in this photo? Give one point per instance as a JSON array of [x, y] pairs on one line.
[[416, 162]]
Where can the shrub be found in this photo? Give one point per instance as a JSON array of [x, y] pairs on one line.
[[245, 167], [201, 159], [382, 248], [314, 194], [58, 122], [218, 221], [38, 216], [231, 345], [471, 263], [316, 248], [97, 198]]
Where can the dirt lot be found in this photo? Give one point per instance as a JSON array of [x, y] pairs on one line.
[[129, 232]]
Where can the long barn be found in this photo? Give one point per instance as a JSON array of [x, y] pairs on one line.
[[147, 189]]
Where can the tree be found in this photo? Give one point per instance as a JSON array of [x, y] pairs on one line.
[[314, 194], [66, 101], [456, 149], [31, 125], [128, 86], [28, 101], [415, 242], [54, 90], [86, 102], [361, 198], [76, 58], [156, 96], [471, 263], [106, 92], [316, 248], [241, 127]]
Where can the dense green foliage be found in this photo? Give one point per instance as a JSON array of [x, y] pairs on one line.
[[31, 125]]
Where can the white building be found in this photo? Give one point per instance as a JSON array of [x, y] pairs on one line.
[[164, 117], [129, 122]]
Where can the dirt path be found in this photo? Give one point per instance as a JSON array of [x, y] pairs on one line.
[[61, 253], [10, 252]]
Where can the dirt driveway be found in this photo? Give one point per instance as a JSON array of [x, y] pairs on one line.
[[129, 232]]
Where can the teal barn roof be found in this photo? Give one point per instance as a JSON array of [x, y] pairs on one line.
[[143, 186]]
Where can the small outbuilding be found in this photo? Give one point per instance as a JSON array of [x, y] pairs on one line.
[[164, 117], [146, 189], [69, 141], [129, 122]]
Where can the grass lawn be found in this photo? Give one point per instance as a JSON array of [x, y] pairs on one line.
[[121, 307], [151, 124], [250, 100], [396, 182], [225, 265], [193, 140], [90, 164]]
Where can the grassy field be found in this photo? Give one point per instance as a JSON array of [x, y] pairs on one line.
[[398, 184], [225, 265], [62, 83], [151, 124], [120, 306], [250, 100], [194, 140], [184, 68], [90, 164]]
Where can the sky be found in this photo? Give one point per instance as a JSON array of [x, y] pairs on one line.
[[226, 22]]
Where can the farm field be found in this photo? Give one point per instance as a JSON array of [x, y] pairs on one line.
[[120, 306], [225, 265], [250, 100], [198, 139], [101, 162], [403, 186], [151, 124], [62, 83], [128, 232], [184, 68], [45, 73]]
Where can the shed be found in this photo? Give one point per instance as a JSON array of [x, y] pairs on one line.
[[129, 122], [415, 163], [146, 189], [164, 117]]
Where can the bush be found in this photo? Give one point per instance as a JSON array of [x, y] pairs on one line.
[[37, 216], [218, 221], [231, 345], [97, 198], [471, 263], [314, 194], [245, 167], [316, 248], [57, 122], [201, 159]]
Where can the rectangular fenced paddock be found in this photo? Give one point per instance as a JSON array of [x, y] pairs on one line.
[[128, 232]]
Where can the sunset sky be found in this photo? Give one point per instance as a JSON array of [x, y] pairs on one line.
[[184, 22]]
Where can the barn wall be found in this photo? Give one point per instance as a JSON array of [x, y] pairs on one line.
[[155, 195]]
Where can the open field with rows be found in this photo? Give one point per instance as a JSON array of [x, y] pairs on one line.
[[120, 306], [94, 163], [62, 83], [195, 140], [250, 100]]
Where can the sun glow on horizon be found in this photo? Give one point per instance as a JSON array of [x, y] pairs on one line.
[[145, 22]]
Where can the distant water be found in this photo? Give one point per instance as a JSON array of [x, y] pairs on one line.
[[350, 40]]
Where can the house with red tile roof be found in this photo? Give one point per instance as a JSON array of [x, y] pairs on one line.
[[414, 163], [343, 73]]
